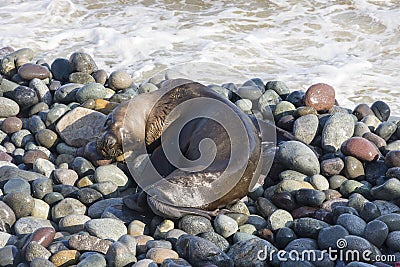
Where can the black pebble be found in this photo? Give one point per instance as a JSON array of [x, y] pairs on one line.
[[284, 236], [24, 96], [296, 98], [61, 69], [381, 110], [370, 211]]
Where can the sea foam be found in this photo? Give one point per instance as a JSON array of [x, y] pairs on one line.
[[354, 46]]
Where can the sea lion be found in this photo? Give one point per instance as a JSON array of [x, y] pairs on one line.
[[149, 119]]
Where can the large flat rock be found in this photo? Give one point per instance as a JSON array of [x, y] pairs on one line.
[[8, 172], [80, 126]]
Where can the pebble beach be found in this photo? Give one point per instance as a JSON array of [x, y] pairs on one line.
[[335, 177]]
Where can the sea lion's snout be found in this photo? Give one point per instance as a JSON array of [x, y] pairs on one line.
[[108, 146]]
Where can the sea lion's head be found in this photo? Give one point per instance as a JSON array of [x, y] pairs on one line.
[[109, 144]]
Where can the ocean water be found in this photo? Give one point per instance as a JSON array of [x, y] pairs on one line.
[[353, 45]]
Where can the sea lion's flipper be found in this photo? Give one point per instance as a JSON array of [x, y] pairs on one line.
[[184, 188], [168, 211], [141, 202]]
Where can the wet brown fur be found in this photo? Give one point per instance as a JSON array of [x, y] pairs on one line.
[[110, 143]]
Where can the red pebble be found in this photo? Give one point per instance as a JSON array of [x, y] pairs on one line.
[[320, 96], [11, 125], [44, 236], [360, 148], [5, 157], [303, 212]]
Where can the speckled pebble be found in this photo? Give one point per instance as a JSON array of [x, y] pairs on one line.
[[330, 167], [34, 250], [309, 197], [392, 220], [199, 252], [119, 255], [16, 185], [279, 219], [136, 228], [247, 253], [93, 260], [106, 228], [24, 96], [41, 209], [90, 91], [305, 128], [225, 225], [376, 232], [65, 258], [119, 80], [66, 207], [217, 239], [43, 166], [81, 78], [41, 262], [22, 137], [111, 173], [297, 156], [158, 255], [194, 225], [329, 236], [147, 263], [308, 227], [21, 203], [353, 224], [319, 182], [82, 62], [161, 229], [65, 176], [390, 190], [8, 107], [393, 241], [46, 138], [338, 129]]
